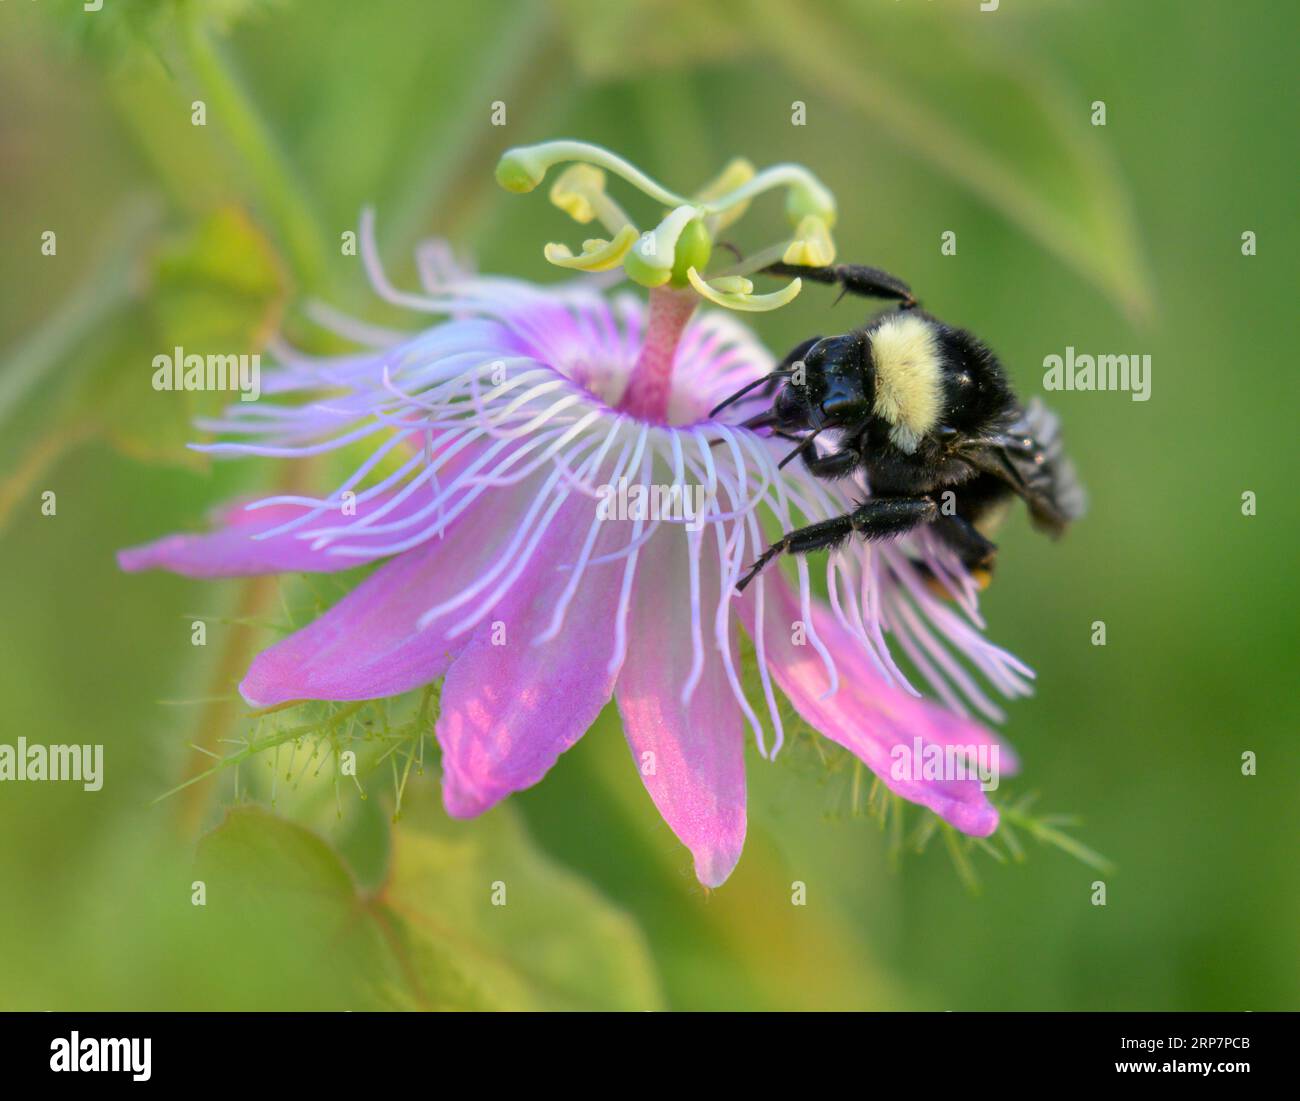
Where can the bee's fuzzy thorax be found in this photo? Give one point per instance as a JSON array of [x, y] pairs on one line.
[[909, 377]]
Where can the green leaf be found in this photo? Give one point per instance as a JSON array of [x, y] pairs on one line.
[[219, 286], [118, 398], [554, 944], [216, 287], [280, 899], [431, 937]]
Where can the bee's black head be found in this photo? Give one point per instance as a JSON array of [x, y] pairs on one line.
[[832, 385], [792, 408]]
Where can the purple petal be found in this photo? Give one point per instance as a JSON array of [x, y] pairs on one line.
[[690, 755], [509, 711], [867, 715], [370, 644], [232, 551]]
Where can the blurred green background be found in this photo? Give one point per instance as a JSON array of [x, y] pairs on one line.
[[922, 117]]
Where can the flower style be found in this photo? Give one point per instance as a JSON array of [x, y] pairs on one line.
[[501, 435]]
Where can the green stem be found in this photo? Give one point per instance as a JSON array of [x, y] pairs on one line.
[[272, 175]]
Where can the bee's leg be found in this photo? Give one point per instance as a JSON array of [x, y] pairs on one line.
[[831, 466], [973, 548], [978, 554], [836, 464], [856, 279], [875, 518]]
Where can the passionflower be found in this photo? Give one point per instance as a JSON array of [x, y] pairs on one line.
[[562, 523]]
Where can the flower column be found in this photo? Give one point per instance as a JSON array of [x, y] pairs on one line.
[[650, 386]]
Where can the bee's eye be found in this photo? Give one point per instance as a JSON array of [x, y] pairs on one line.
[[815, 355], [790, 406]]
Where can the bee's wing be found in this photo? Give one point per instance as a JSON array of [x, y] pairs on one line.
[[1028, 456]]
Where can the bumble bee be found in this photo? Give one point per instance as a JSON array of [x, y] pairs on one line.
[[925, 412]]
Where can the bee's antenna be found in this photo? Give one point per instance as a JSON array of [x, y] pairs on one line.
[[765, 419], [746, 389], [733, 249]]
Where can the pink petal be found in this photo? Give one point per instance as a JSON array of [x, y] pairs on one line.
[[509, 711], [868, 715], [690, 755], [370, 644], [232, 551]]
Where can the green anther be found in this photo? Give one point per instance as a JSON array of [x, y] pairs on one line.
[[514, 174], [639, 271], [694, 247]]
